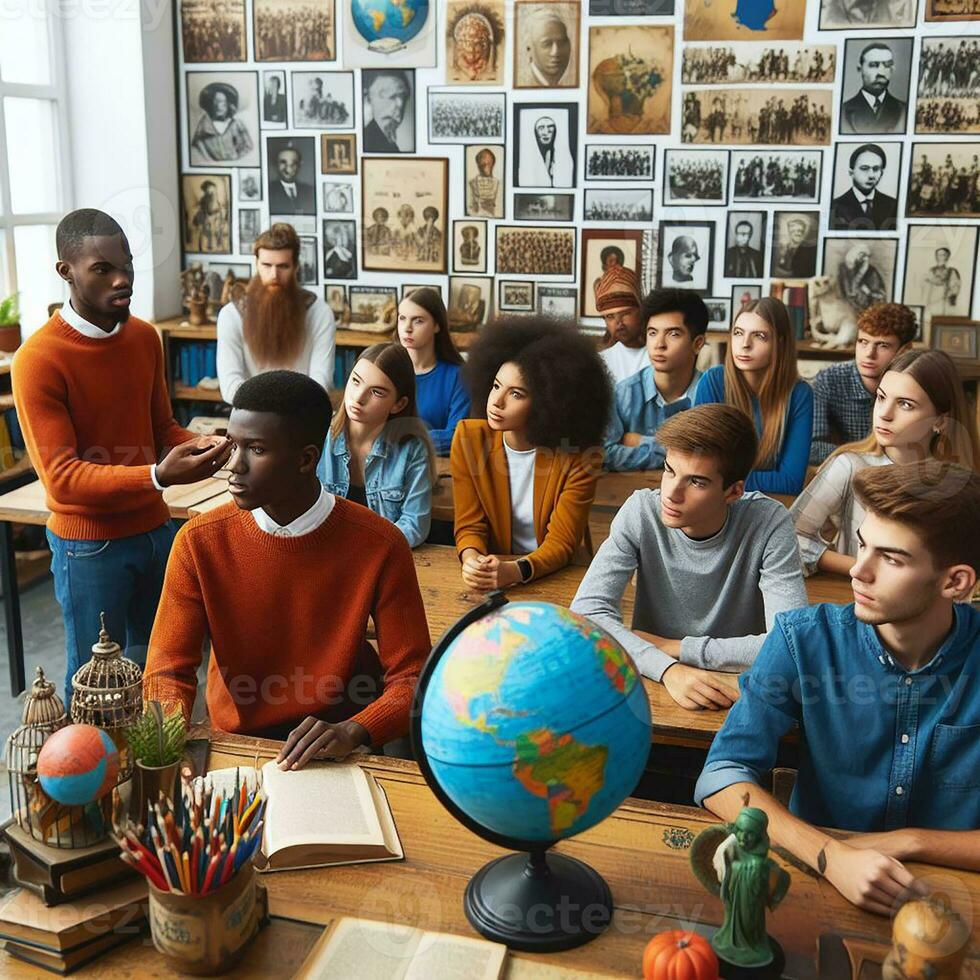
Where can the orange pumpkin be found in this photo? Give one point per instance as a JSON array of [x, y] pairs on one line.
[[679, 955]]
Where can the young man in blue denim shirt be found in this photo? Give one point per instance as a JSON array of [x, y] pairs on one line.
[[885, 692], [675, 323]]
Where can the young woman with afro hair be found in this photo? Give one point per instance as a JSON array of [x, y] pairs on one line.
[[525, 469]]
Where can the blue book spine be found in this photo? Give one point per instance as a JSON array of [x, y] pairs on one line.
[[211, 360], [13, 426], [185, 364]]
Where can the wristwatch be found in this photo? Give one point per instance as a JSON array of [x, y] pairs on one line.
[[524, 567]]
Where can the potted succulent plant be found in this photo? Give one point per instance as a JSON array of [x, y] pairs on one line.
[[9, 323], [156, 741]]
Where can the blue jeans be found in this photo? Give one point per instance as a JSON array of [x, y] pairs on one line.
[[122, 577]]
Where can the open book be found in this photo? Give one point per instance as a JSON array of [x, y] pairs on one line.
[[327, 813], [372, 950]]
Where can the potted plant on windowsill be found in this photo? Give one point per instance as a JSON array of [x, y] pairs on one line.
[[9, 323], [156, 743]]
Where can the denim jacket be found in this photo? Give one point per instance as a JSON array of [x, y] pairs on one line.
[[396, 481]]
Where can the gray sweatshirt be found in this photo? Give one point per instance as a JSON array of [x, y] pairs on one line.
[[720, 595]]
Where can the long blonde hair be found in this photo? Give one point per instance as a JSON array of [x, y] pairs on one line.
[[777, 385], [936, 374]]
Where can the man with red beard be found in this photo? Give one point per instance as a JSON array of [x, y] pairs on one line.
[[278, 325]]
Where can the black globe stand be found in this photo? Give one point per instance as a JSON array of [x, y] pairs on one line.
[[535, 901], [538, 902]]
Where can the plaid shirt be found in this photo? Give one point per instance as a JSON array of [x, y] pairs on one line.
[[842, 407]]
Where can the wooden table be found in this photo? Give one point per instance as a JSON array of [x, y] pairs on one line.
[[641, 850], [26, 505]]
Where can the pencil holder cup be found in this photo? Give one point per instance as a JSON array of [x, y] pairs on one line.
[[205, 935]]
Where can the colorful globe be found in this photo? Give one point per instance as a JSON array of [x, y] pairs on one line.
[[535, 722], [381, 21], [78, 764]]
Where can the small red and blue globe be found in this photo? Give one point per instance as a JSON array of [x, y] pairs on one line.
[[78, 764]]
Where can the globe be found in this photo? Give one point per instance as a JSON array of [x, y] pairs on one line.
[[531, 725], [389, 24], [78, 764]]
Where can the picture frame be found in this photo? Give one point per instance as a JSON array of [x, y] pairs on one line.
[[337, 196], [742, 294], [206, 213], [275, 35], [291, 161], [877, 167], [485, 176], [858, 271], [928, 195], [696, 177], [734, 116], [461, 117], [944, 11], [940, 108], [793, 254], [250, 185], [688, 249], [515, 295], [201, 27], [745, 245], [759, 63], [339, 248], [559, 302], [469, 246], [719, 313], [409, 195], [611, 162], [275, 102], [941, 283], [546, 44], [921, 332], [475, 36], [546, 145], [523, 250], [335, 296], [835, 17], [601, 249], [223, 98], [373, 308], [532, 206], [307, 272], [618, 204], [388, 106], [716, 22], [958, 337], [323, 100], [470, 302], [249, 228], [856, 116], [338, 153], [776, 176]]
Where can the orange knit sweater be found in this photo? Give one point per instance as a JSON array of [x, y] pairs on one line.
[[287, 619], [96, 415]]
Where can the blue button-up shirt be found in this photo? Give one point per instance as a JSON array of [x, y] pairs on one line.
[[883, 747], [639, 407], [397, 483]]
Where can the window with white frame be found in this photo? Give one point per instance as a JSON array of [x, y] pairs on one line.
[[34, 173]]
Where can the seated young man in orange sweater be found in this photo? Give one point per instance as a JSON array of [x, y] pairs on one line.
[[93, 404], [283, 580]]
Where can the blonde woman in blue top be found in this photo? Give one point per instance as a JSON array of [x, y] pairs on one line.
[[378, 452]]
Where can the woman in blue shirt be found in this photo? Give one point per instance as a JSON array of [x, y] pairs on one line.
[[759, 377], [442, 399], [378, 452]]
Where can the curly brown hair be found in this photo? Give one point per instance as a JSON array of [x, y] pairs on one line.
[[889, 319], [280, 236]]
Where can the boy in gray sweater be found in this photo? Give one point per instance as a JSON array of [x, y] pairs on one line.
[[714, 564]]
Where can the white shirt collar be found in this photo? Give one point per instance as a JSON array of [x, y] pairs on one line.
[[871, 99], [288, 185], [83, 326], [303, 524], [861, 196]]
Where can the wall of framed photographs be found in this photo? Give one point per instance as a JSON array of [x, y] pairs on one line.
[[507, 150]]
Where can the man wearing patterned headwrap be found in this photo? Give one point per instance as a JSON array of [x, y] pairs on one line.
[[617, 300]]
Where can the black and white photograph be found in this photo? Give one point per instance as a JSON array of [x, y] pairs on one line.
[[940, 261], [339, 249], [619, 162], [719, 312], [274, 111], [758, 63], [617, 204], [865, 192], [544, 207], [373, 308], [388, 99], [944, 181], [687, 255], [294, 30], [560, 302], [470, 302], [249, 228], [863, 15], [794, 244], [745, 240], [323, 99], [631, 8], [515, 295], [546, 43], [250, 184], [874, 95], [949, 71], [337, 196], [787, 117], [206, 202], [523, 251], [290, 166], [307, 271], [457, 117], [212, 32], [223, 118], [742, 295], [696, 177], [469, 246], [777, 176], [857, 273], [485, 173], [546, 138]]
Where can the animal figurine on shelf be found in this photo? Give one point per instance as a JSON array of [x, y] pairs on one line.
[[832, 321]]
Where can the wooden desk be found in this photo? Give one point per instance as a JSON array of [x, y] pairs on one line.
[[641, 850], [26, 505]]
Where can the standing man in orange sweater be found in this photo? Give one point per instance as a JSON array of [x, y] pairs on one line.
[[283, 580], [92, 401]]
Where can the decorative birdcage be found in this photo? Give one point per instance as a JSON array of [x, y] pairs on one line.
[[33, 810], [108, 692]]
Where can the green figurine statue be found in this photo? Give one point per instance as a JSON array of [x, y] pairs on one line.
[[732, 861]]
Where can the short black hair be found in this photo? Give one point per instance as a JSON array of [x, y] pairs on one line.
[[301, 403], [869, 148], [744, 224], [874, 46], [570, 388], [672, 300], [84, 223]]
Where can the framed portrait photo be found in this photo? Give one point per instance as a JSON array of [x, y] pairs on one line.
[[546, 43], [742, 295], [530, 206], [404, 208], [339, 248], [485, 176], [307, 273], [294, 30], [223, 118], [522, 250], [620, 163], [874, 98], [546, 142], [290, 172], [337, 196], [794, 244], [249, 185], [866, 15], [687, 255], [338, 153], [274, 112], [745, 241], [206, 212], [601, 250], [866, 186], [335, 296], [515, 295], [946, 101], [373, 308], [323, 100], [212, 34], [744, 21], [469, 245], [470, 302], [959, 338], [777, 176], [249, 228], [459, 117], [857, 273], [618, 204], [719, 313], [389, 110], [475, 39], [696, 177], [940, 262]]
